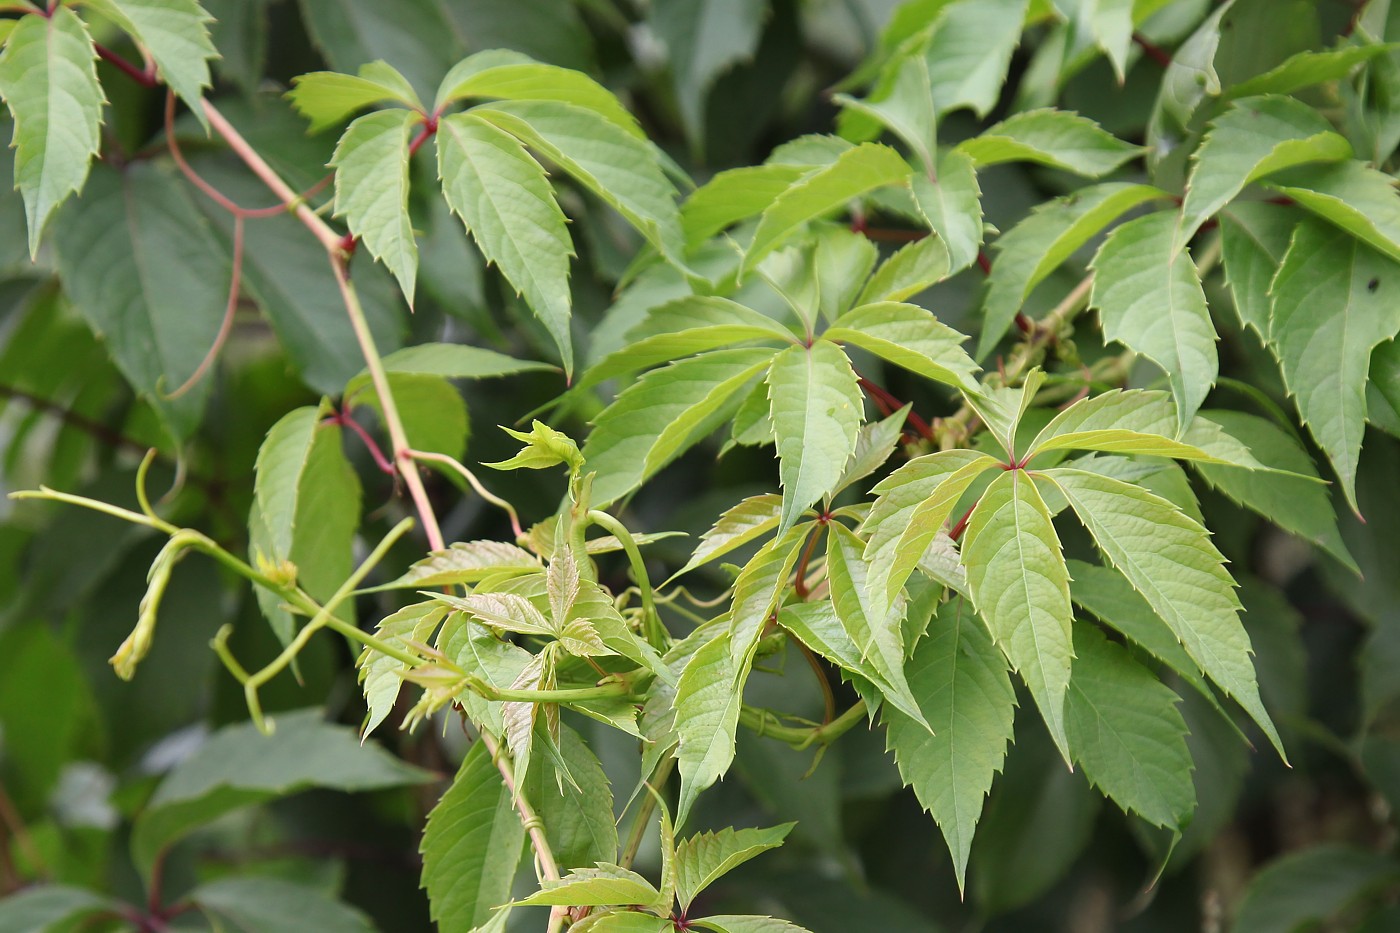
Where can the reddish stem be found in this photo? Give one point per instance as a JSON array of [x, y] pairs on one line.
[[800, 586], [344, 419], [429, 129], [961, 526], [234, 288], [890, 404], [143, 76], [887, 234], [1152, 51], [983, 262]]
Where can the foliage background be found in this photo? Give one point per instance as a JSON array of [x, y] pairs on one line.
[[81, 750]]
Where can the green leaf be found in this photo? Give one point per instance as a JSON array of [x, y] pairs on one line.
[[506, 75], [1334, 303], [909, 271], [1135, 421], [1111, 24], [1127, 733], [371, 190], [1058, 138], [908, 336], [1002, 408], [419, 39], [514, 218], [50, 907], [450, 360], [1168, 557], [704, 39], [750, 519], [875, 444], [1351, 195], [471, 846], [48, 77], [664, 413], [1308, 68], [1038, 245], [609, 161], [970, 51], [1149, 298], [1295, 505], [706, 705], [817, 409], [238, 767], [905, 106], [1254, 236], [577, 812], [1254, 138], [759, 588], [705, 857], [381, 675], [856, 172], [876, 635], [326, 97], [966, 696], [746, 923], [1189, 79], [734, 195], [1021, 588], [176, 34], [952, 205], [602, 886], [912, 505], [274, 905], [841, 261], [623, 921], [1308, 888], [466, 562]]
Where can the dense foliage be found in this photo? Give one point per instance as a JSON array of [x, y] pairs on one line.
[[900, 406]]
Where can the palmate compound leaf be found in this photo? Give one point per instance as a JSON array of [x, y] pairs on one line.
[[1020, 586], [817, 408], [1038, 245], [1167, 556], [1059, 138], [1334, 303], [48, 77], [705, 857], [508, 206], [908, 336], [371, 190], [1256, 137], [1126, 732], [664, 413], [471, 845], [176, 34], [327, 97], [1149, 298], [967, 698]]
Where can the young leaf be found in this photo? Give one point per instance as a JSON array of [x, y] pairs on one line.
[[970, 50], [1059, 138], [1149, 299], [664, 413], [909, 271], [855, 172], [471, 846], [908, 336], [176, 33], [817, 410], [48, 77], [371, 190], [952, 205], [734, 195], [519, 717], [622, 921], [750, 519], [1127, 733], [509, 611], [326, 98], [1333, 305], [966, 696], [1352, 195], [602, 886], [1021, 588], [1254, 237], [705, 857], [380, 678], [1254, 138], [507, 75], [466, 562], [514, 219], [1168, 558]]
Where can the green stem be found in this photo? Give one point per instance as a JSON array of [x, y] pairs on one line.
[[644, 811], [766, 722], [136, 518], [655, 632], [566, 695]]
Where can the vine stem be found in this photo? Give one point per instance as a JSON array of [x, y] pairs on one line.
[[656, 635], [644, 811]]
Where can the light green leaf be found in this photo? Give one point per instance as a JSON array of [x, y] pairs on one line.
[[664, 413], [1308, 68], [750, 519], [1306, 889], [1135, 421], [471, 846], [1021, 588], [876, 634], [1189, 79], [817, 409], [1001, 408], [509, 611], [1111, 24], [371, 191], [909, 271], [602, 886], [875, 444], [966, 696], [380, 674], [1168, 557], [176, 34], [1334, 303], [612, 163], [733, 195], [908, 336], [1149, 298], [1127, 733], [48, 77], [1038, 245], [1254, 138], [506, 75], [856, 172], [274, 905], [970, 51], [746, 923], [238, 766], [476, 649], [1059, 138], [1254, 236], [952, 205], [758, 590], [508, 206], [1295, 505], [913, 503], [704, 39], [326, 97], [47, 907], [623, 921], [841, 262], [1352, 195], [577, 813], [466, 562], [518, 718], [450, 360], [705, 857], [706, 705], [905, 105]]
